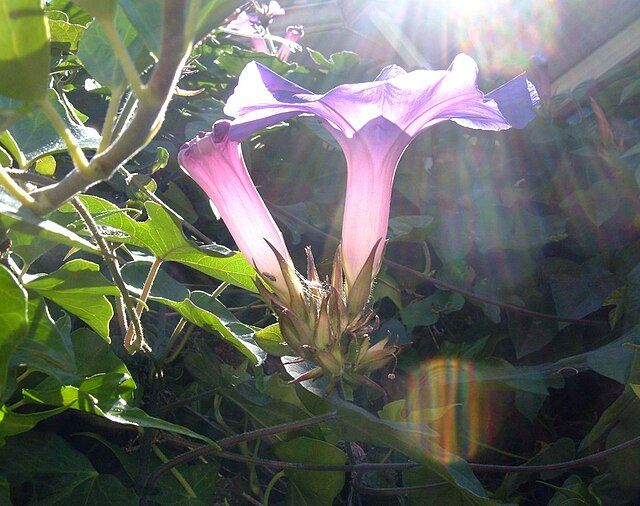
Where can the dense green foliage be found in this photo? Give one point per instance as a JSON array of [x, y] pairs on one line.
[[547, 219]]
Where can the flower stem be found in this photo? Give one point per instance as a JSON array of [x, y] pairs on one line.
[[129, 343], [110, 118], [75, 151], [112, 264], [216, 293], [176, 474], [267, 491], [15, 190], [174, 354]]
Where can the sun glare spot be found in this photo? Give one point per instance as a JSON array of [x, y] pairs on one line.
[[446, 396]]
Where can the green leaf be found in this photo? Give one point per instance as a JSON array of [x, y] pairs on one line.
[[95, 50], [233, 59], [120, 412], [270, 340], [102, 489], [573, 491], [559, 451], [161, 235], [444, 494], [24, 50], [314, 488], [35, 137], [410, 228], [47, 347], [99, 8], [354, 423], [5, 158], [579, 289], [635, 150], [58, 473], [13, 320], [211, 15], [46, 165], [161, 161], [20, 219], [16, 423], [80, 288], [5, 499], [146, 17], [630, 90], [94, 355], [11, 111], [64, 34], [197, 307], [427, 311]]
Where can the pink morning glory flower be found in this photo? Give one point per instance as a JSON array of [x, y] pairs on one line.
[[293, 34], [374, 122], [253, 24], [215, 162]]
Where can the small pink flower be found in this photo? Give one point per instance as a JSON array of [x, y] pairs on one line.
[[215, 162], [294, 34]]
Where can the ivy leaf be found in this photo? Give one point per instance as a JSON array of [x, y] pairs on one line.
[[270, 340], [16, 423], [33, 136], [11, 111], [99, 8], [146, 17], [13, 320], [64, 34], [24, 50], [161, 235], [427, 311], [95, 50], [58, 473], [5, 499], [80, 288], [447, 494], [199, 308], [20, 219], [307, 487], [211, 15], [47, 346]]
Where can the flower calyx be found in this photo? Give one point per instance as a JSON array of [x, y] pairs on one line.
[[327, 323]]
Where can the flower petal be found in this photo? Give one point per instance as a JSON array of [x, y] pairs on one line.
[[215, 163]]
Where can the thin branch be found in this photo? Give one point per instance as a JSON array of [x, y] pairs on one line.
[[146, 121], [122, 54], [75, 151], [133, 341], [154, 198], [447, 286], [185, 402], [487, 300], [176, 474], [110, 118], [396, 466], [233, 440], [112, 264], [387, 491], [32, 177], [276, 429], [14, 189]]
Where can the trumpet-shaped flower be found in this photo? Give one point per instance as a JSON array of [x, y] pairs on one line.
[[254, 23], [215, 162], [293, 34], [374, 122]]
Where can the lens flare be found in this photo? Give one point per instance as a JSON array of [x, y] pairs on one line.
[[445, 395]]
